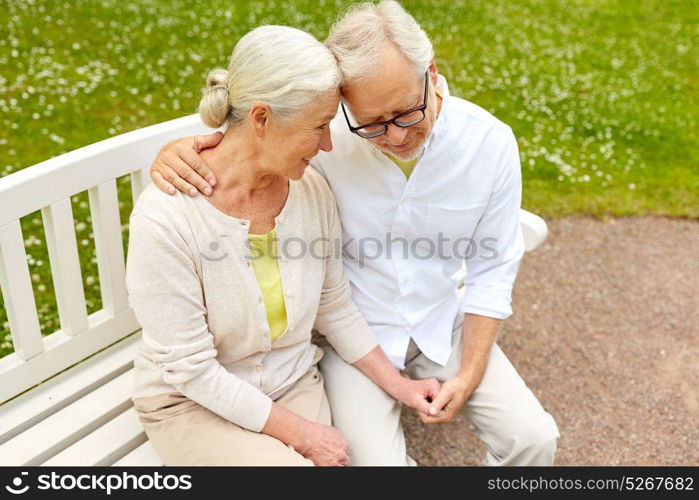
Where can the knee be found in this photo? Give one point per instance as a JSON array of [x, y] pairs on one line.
[[537, 434]]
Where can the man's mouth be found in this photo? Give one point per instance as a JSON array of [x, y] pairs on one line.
[[400, 147]]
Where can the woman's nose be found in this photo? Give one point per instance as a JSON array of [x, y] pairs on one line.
[[326, 142]]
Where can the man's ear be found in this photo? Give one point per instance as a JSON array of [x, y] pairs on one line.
[[433, 71], [260, 116]]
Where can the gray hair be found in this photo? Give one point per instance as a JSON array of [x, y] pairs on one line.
[[357, 38], [283, 67]]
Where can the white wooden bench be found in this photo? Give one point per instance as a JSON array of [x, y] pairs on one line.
[[65, 399]]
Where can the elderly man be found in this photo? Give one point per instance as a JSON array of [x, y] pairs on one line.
[[424, 182]]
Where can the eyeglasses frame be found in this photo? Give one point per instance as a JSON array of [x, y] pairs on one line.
[[422, 107]]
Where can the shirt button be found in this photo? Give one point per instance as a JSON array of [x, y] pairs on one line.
[[260, 300], [291, 329], [258, 368], [289, 293]]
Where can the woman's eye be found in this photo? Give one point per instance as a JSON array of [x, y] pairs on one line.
[[322, 126]]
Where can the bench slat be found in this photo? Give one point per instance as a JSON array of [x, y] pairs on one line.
[[63, 351], [104, 206], [104, 446], [46, 399], [18, 294], [65, 427], [144, 456], [65, 266], [139, 181]]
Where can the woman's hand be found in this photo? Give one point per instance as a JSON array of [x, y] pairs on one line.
[[179, 166], [324, 446], [418, 394]]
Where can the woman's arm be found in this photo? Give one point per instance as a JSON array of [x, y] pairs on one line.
[[417, 394], [322, 444], [166, 295]]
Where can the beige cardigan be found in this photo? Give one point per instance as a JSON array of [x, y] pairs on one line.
[[193, 289]]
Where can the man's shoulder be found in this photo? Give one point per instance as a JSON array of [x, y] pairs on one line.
[[471, 117]]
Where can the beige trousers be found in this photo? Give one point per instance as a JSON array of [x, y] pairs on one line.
[[508, 417], [185, 433]]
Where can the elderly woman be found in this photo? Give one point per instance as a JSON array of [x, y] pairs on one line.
[[228, 288]]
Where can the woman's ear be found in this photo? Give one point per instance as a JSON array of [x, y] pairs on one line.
[[260, 116]]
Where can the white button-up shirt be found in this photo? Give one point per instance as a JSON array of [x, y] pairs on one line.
[[406, 241]]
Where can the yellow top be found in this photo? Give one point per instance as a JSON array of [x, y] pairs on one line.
[[406, 166], [263, 249]]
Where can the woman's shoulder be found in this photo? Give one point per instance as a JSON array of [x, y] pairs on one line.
[[159, 207], [313, 182], [316, 197]]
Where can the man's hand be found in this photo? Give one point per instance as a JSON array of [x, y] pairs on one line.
[[419, 394], [449, 401], [478, 336], [179, 166], [324, 446]]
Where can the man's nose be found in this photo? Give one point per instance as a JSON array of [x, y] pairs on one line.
[[395, 135]]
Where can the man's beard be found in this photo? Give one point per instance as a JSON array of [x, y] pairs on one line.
[[404, 156]]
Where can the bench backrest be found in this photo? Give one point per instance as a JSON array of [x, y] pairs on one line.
[[48, 186]]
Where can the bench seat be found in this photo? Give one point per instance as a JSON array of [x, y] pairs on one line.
[[83, 416]]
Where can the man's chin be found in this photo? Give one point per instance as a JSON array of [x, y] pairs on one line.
[[406, 155]]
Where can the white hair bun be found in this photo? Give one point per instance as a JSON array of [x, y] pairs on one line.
[[215, 106]]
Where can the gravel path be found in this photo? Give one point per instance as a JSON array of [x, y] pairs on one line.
[[606, 334]]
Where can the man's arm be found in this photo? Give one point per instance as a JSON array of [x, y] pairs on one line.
[[479, 334], [178, 166], [489, 281]]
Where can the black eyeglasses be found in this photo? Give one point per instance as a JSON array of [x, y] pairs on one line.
[[405, 119]]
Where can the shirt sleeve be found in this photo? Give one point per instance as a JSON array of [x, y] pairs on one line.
[[490, 275], [166, 295], [338, 318]]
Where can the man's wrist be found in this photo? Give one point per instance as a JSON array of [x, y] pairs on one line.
[[397, 387], [466, 376]]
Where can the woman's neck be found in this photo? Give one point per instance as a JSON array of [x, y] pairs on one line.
[[237, 166]]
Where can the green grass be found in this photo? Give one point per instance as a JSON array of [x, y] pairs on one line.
[[602, 95]]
